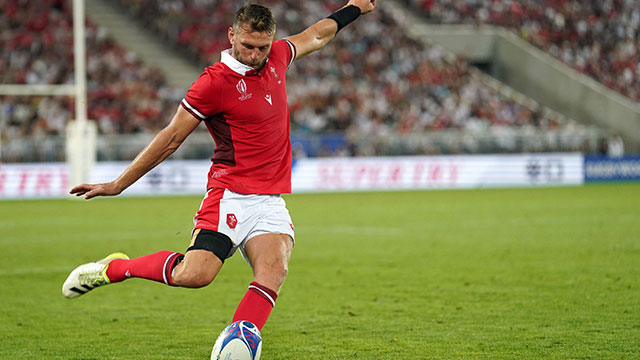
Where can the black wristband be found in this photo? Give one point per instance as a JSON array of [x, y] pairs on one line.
[[345, 15]]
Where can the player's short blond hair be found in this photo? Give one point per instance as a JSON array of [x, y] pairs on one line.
[[255, 17]]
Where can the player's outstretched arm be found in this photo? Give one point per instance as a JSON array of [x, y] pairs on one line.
[[319, 34], [162, 145]]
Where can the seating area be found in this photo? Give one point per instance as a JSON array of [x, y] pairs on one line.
[[372, 81], [124, 95], [598, 38]]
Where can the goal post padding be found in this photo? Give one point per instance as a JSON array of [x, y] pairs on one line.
[[80, 149]]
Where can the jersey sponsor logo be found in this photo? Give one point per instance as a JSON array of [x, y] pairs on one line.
[[241, 86], [232, 221], [268, 98]]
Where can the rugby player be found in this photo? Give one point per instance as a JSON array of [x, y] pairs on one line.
[[243, 102]]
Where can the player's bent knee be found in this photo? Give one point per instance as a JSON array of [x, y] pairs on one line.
[[193, 278], [203, 259], [199, 280]]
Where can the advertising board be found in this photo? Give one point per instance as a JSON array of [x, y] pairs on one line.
[[602, 168], [182, 177], [436, 172]]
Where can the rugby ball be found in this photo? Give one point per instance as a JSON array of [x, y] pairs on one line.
[[238, 341]]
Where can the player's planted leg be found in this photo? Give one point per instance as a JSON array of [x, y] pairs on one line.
[[269, 256]]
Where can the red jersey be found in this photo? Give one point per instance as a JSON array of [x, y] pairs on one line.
[[247, 115]]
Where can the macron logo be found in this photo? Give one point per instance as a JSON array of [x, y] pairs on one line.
[[268, 98]]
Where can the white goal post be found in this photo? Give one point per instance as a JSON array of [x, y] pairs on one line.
[[81, 134]]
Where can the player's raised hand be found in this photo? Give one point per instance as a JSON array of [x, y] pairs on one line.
[[92, 190], [364, 5]]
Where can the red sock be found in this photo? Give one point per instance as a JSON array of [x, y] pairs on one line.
[[156, 267], [256, 305]]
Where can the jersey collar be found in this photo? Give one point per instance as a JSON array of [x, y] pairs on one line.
[[235, 65]]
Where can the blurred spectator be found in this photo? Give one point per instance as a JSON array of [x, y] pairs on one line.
[[615, 146]]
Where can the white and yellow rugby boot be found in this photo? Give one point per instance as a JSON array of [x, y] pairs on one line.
[[89, 276]]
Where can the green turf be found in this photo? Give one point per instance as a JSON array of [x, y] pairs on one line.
[[480, 274]]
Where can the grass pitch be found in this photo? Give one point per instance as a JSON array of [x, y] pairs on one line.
[[548, 273]]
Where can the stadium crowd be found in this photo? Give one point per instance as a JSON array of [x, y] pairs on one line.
[[37, 41], [600, 38], [354, 86]]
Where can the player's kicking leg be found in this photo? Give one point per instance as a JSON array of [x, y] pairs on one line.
[[200, 265], [89, 276]]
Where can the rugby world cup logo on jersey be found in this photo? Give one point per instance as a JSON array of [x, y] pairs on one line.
[[241, 86]]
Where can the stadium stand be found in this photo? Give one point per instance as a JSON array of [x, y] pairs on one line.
[[370, 98], [124, 95], [598, 38], [412, 89]]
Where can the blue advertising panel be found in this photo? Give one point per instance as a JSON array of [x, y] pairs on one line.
[[603, 168]]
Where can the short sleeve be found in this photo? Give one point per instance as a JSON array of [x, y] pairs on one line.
[[285, 51], [203, 99]]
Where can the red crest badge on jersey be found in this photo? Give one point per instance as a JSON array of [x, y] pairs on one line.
[[232, 221]]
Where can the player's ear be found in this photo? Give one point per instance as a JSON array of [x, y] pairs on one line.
[[230, 34]]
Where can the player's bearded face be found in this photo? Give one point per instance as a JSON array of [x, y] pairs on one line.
[[250, 47]]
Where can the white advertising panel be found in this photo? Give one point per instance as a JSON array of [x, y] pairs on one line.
[[47, 180], [436, 172], [318, 174], [52, 180], [171, 177]]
